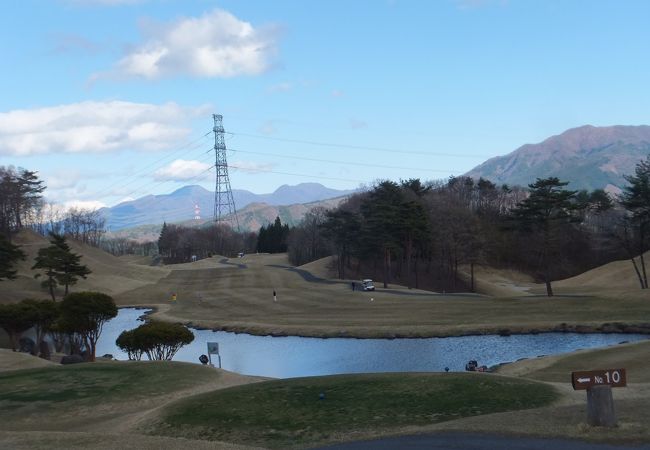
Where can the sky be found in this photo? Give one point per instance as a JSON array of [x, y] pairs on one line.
[[110, 100]]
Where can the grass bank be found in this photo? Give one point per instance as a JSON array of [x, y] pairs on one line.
[[633, 357], [290, 413], [78, 396]]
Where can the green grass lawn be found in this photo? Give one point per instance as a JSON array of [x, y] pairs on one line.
[[55, 394], [289, 412]]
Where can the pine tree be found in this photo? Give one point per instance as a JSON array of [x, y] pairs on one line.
[[60, 265], [544, 212], [636, 200], [9, 256], [70, 265]]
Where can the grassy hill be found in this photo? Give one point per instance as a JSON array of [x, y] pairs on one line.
[[110, 274]]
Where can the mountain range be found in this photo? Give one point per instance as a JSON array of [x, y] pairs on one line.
[[588, 157], [180, 205]]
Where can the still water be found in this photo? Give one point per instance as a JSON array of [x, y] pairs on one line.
[[292, 356]]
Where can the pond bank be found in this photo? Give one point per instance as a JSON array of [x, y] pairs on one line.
[[162, 312]]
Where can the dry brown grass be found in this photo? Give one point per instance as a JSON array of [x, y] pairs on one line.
[[110, 274], [10, 360], [568, 417], [240, 299], [218, 293]]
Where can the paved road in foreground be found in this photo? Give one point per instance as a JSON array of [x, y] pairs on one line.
[[465, 441]]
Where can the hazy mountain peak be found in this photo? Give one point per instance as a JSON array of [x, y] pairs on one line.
[[180, 204], [589, 157]]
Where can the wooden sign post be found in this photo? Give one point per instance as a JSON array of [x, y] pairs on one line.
[[599, 384]]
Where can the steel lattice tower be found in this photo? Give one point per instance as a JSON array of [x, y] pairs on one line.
[[224, 203]]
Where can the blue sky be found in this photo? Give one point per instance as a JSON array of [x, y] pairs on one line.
[[113, 99]]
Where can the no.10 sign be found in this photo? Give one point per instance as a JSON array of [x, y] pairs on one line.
[[591, 378]]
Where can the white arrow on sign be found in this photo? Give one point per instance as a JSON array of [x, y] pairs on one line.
[[584, 380]]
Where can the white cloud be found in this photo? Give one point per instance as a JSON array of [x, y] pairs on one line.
[[182, 170], [83, 204], [217, 44], [61, 180], [94, 127], [337, 93]]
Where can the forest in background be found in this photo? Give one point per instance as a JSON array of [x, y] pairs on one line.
[[408, 232]]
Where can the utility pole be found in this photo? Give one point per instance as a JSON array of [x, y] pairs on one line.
[[224, 203]]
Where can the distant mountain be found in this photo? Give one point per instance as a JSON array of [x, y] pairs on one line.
[[251, 218], [588, 157], [180, 204]]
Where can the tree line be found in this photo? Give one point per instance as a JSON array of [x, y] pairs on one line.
[[421, 234], [182, 244]]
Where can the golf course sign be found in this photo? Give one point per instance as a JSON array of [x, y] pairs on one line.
[[606, 377]]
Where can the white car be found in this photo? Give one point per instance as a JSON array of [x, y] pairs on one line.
[[367, 285]]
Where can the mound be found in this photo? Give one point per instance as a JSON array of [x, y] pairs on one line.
[[110, 274], [617, 275], [10, 360], [497, 282], [321, 268]]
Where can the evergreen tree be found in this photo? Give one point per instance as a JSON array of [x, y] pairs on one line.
[[381, 227], [20, 192], [342, 228], [47, 260], [544, 212], [9, 256], [70, 265], [636, 200], [60, 265], [273, 237]]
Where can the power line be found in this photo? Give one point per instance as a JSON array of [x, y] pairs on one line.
[[358, 147], [160, 183], [294, 174], [140, 173], [347, 163]]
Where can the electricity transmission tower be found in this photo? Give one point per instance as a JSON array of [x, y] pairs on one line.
[[224, 203]]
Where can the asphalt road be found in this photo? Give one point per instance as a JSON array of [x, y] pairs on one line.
[[466, 441]]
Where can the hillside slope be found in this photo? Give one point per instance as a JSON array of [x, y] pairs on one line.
[[614, 276], [588, 157], [110, 274]]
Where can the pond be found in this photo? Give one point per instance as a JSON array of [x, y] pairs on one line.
[[292, 356]]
